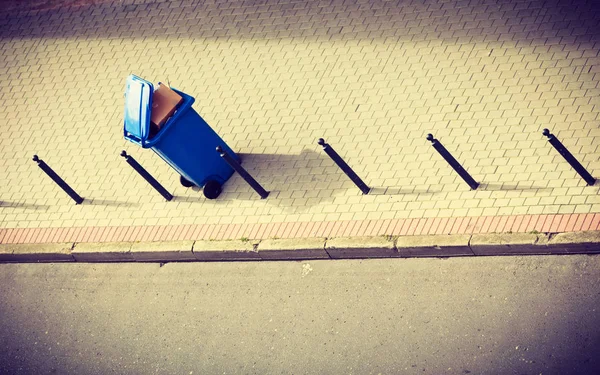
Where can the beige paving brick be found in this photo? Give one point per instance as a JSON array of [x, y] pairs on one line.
[[268, 97]]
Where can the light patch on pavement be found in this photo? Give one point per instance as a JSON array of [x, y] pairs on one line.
[[306, 269]]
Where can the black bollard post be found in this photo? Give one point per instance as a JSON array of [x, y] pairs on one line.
[[151, 180], [344, 167], [569, 157], [245, 175], [56, 178], [453, 162]]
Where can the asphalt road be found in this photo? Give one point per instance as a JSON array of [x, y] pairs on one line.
[[496, 315]]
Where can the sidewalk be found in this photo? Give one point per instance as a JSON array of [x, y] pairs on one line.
[[372, 79]]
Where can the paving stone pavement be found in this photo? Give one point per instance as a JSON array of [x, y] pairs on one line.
[[372, 78]]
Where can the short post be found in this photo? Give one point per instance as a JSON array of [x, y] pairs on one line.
[[245, 175], [56, 178], [147, 176], [344, 167], [453, 162], [569, 157]]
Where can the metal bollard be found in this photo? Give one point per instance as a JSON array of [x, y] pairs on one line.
[[344, 167], [453, 162], [569, 157], [245, 175], [151, 180], [56, 178]]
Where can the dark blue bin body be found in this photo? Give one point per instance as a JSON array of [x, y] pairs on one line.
[[186, 142]]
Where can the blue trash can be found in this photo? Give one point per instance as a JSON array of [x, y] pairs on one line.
[[186, 142]]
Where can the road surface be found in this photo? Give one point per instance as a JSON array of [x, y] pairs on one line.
[[495, 315]]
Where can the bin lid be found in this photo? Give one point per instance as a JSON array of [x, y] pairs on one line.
[[138, 105]]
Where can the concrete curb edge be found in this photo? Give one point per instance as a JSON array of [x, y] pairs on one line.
[[308, 248]]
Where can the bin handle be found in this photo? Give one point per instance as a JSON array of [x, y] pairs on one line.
[[132, 137]]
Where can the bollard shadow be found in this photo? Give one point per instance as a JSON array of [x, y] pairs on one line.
[[107, 202], [27, 206], [401, 191], [509, 186]]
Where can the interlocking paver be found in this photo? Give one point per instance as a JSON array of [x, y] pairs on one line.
[[595, 224], [373, 80]]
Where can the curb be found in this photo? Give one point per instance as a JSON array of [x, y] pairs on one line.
[[291, 249], [26, 253], [434, 246], [308, 248], [361, 247], [507, 244]]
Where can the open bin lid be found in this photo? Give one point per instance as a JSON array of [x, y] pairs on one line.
[[138, 104]]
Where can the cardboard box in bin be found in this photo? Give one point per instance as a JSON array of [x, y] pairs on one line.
[[164, 104]]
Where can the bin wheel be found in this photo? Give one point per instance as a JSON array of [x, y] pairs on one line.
[[185, 182], [212, 189]]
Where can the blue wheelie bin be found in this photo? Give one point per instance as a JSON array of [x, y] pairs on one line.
[[186, 142]]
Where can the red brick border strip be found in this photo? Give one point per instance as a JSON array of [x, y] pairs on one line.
[[403, 227]]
